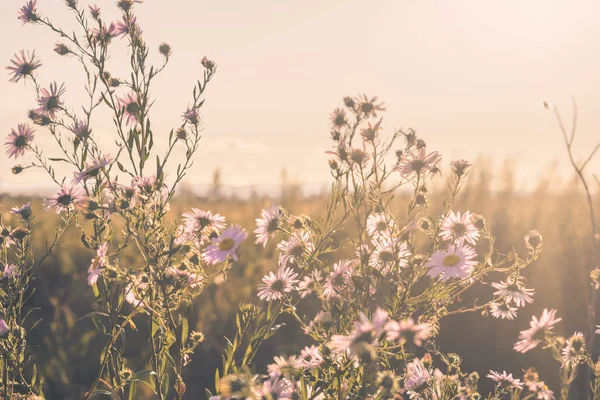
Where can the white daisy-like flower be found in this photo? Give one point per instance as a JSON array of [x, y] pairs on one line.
[[407, 331], [197, 220], [530, 338], [457, 261], [276, 388], [267, 225], [459, 228], [541, 390], [573, 352], [311, 357], [283, 365], [276, 285], [380, 225], [502, 310], [298, 245], [225, 245], [388, 252], [514, 290], [338, 280], [504, 380], [366, 331], [306, 285], [418, 162]]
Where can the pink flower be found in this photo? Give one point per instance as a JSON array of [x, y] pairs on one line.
[[98, 262], [192, 116], [28, 13], [93, 169], [532, 337], [19, 140], [23, 65], [131, 107], [225, 245], [3, 327], [454, 262], [50, 101], [276, 285], [65, 200], [268, 224], [418, 162]]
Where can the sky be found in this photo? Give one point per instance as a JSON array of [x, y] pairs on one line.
[[468, 75]]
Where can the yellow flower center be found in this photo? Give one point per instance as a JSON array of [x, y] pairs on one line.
[[450, 260], [226, 244]]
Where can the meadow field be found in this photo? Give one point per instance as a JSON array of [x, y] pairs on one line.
[[66, 347]]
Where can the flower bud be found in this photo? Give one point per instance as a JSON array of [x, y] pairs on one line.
[[165, 49]]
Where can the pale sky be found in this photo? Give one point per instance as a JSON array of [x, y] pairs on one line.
[[468, 76]]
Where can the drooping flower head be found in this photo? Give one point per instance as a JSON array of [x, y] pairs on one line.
[[124, 28], [573, 352], [50, 102], [457, 261], [502, 310], [267, 225], [275, 286], [28, 13], [65, 200], [459, 228], [532, 337], [19, 140], [225, 245], [23, 65]]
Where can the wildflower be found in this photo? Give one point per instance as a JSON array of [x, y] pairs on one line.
[[361, 340], [97, 263], [197, 220], [126, 5], [573, 352], [310, 357], [131, 107], [380, 225], [126, 27], [24, 211], [541, 391], [50, 101], [208, 64], [504, 380], [459, 228], [268, 224], [4, 329], [478, 221], [416, 375], [407, 331], [388, 381], [92, 170], [512, 290], [276, 285], [338, 118], [418, 162], [191, 115], [164, 49], [276, 388], [370, 134], [19, 140], [81, 129], [349, 102], [339, 279], [65, 200], [457, 261], [368, 106], [10, 271], [534, 241], [28, 13], [104, 34], [387, 253], [532, 337], [460, 167], [17, 169], [502, 310], [61, 49], [225, 245], [181, 134], [305, 286], [283, 365], [94, 11], [295, 248], [197, 337], [132, 298], [23, 65]]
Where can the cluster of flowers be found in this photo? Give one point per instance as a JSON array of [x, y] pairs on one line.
[[177, 263], [384, 288]]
